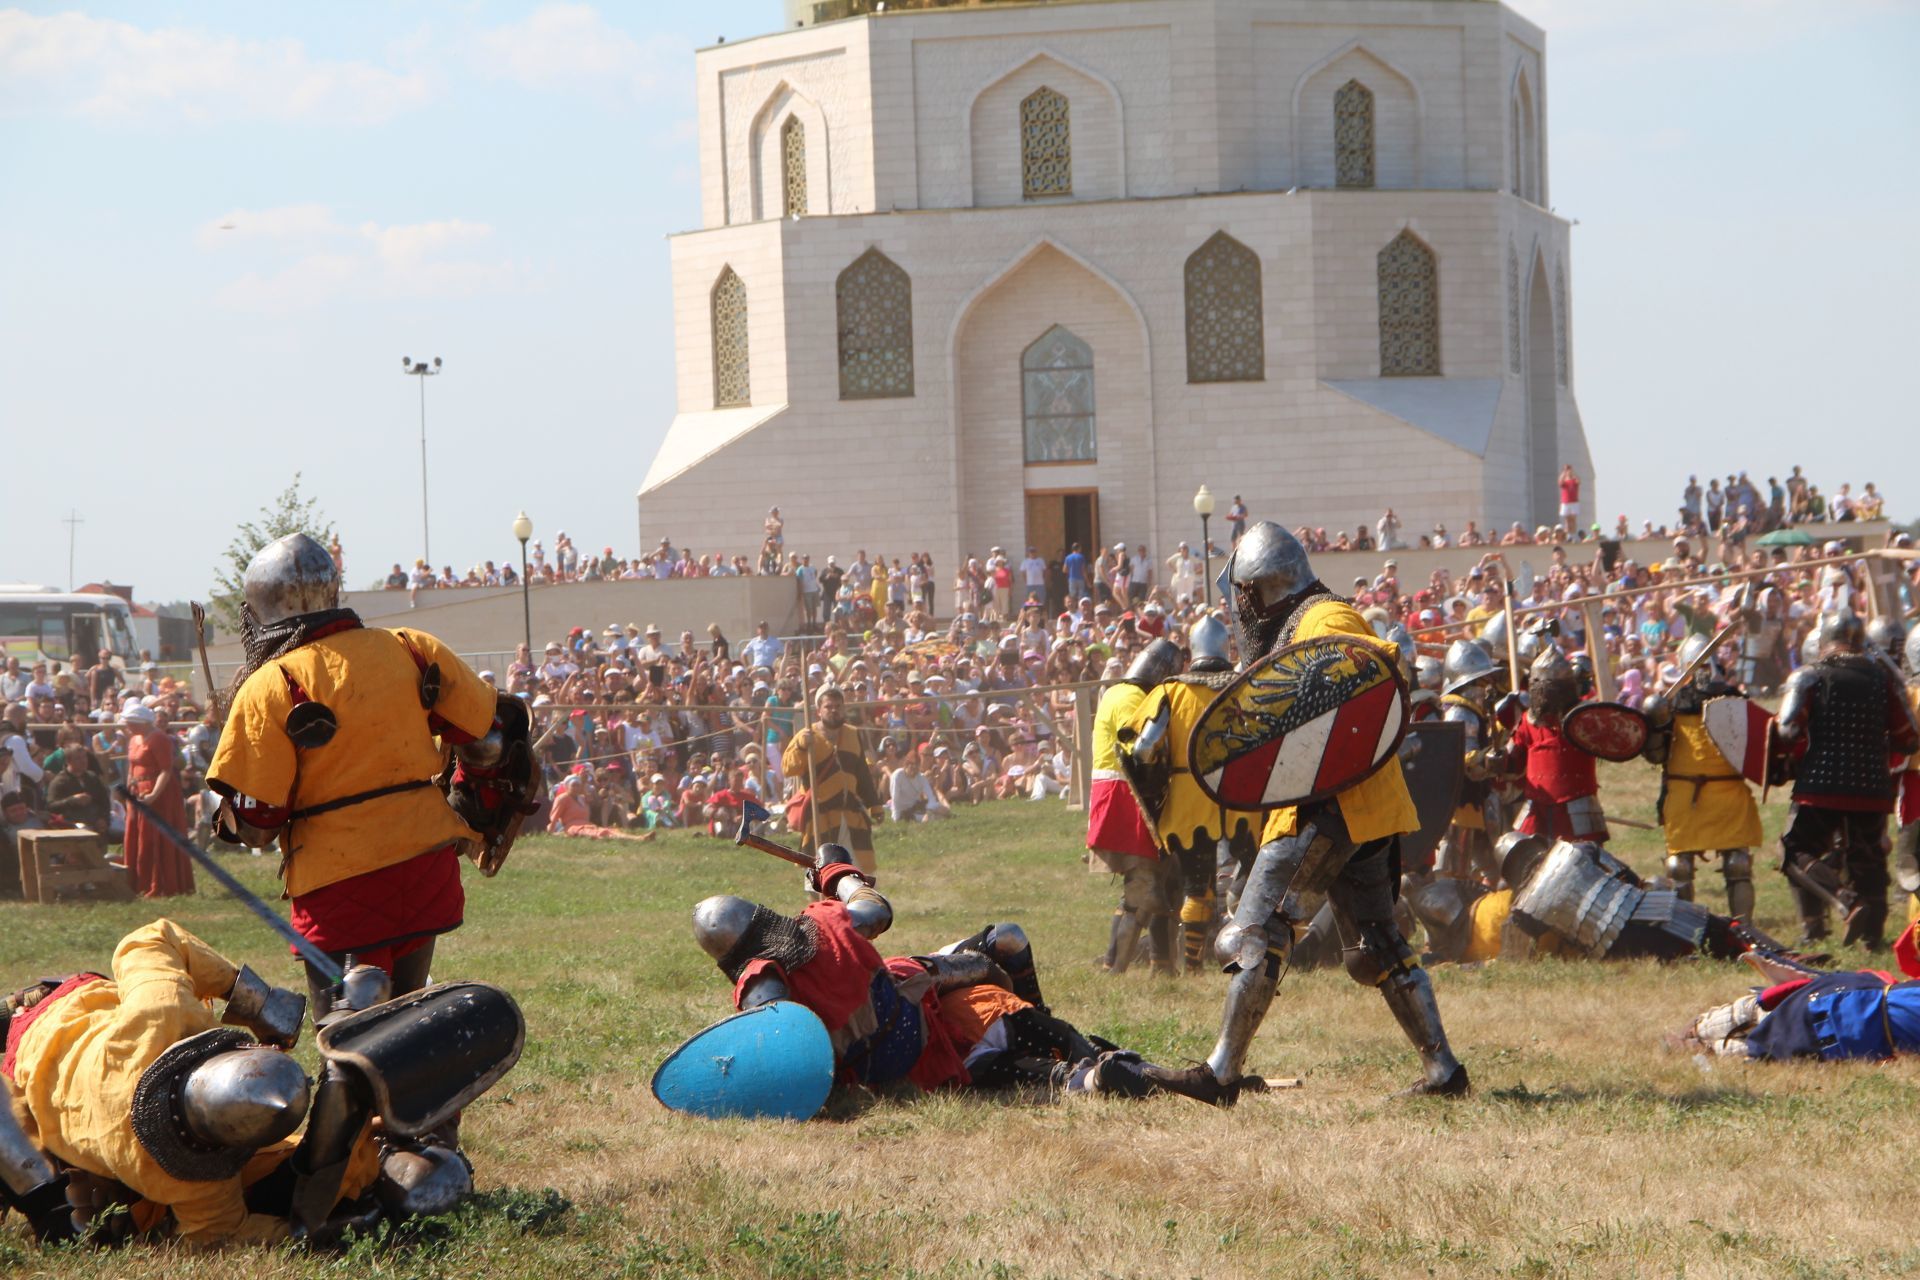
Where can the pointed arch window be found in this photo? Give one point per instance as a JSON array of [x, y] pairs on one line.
[[732, 386], [1226, 330], [1046, 145], [1409, 289], [873, 300], [1560, 323], [793, 167], [1513, 310], [1353, 135], [1056, 383]]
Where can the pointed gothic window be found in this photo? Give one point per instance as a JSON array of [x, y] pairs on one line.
[[1353, 135], [1226, 333], [793, 167], [1513, 310], [1046, 145], [731, 385], [874, 301], [1409, 309], [1056, 376], [1560, 322]]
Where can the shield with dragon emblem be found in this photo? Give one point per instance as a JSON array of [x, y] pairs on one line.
[[1304, 723]]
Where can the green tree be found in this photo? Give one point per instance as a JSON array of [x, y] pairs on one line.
[[291, 512]]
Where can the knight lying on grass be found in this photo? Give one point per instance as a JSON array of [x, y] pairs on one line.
[[971, 1014]]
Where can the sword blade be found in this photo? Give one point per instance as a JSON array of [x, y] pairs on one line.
[[311, 954]]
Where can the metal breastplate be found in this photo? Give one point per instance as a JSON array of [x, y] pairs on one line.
[[1573, 896], [1847, 741]]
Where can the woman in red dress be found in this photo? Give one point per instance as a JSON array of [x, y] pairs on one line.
[[156, 867]]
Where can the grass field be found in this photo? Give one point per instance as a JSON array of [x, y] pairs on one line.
[[1585, 1152]]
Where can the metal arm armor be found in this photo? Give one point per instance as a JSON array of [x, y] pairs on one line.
[[867, 907], [764, 988], [1791, 721]]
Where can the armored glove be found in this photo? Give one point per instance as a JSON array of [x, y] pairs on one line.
[[272, 1014]]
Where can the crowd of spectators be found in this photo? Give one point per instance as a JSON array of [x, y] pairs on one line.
[[648, 733]]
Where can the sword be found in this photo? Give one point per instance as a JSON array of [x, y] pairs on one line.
[[1794, 872], [206, 668], [746, 837], [313, 955]]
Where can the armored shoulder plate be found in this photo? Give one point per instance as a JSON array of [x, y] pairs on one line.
[[1572, 894]]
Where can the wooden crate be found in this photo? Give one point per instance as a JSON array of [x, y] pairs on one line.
[[70, 866]]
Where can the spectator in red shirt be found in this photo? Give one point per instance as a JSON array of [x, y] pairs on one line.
[[1569, 500]]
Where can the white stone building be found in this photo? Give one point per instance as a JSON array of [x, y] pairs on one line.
[[1005, 273]]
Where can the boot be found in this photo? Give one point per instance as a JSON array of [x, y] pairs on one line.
[[1813, 929], [1410, 997], [1160, 933], [1200, 1084], [1867, 925], [1125, 937]]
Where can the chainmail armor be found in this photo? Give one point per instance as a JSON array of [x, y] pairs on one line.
[[785, 940], [266, 641]]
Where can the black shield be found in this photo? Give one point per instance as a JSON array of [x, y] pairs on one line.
[[1434, 769], [426, 1055]]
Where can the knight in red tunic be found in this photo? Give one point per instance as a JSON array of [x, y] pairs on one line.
[[1559, 781], [968, 1014]]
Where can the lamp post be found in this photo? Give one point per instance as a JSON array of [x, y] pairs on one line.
[[1203, 507], [523, 529], [421, 370]]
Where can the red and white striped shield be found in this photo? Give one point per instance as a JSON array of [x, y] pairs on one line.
[[1738, 726], [1303, 723]]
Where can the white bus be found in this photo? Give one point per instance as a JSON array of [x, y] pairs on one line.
[[39, 624]]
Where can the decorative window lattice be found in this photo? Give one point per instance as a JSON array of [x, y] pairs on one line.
[[1226, 333], [1409, 309], [1046, 145], [1560, 323], [731, 385], [1514, 135], [874, 301], [1513, 310], [1353, 135], [1056, 376], [793, 167]]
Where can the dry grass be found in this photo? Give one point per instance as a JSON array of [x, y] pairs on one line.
[[1586, 1152]]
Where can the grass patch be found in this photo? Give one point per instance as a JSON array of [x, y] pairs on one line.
[[1587, 1152]]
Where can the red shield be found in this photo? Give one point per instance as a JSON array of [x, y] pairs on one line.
[[1738, 726], [1304, 723], [1610, 730]]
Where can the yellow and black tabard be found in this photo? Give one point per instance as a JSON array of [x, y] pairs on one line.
[[357, 802], [77, 1065], [1704, 802], [842, 787]]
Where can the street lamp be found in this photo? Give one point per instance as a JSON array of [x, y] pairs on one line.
[[523, 529], [1203, 507], [421, 370]]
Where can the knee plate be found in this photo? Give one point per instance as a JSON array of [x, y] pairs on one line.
[[1680, 868], [1736, 864]]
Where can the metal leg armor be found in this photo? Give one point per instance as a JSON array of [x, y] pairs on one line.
[[342, 1106], [1680, 872], [1736, 866], [28, 1181], [1409, 994], [1121, 942], [1249, 995]]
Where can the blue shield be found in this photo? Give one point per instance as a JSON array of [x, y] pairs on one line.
[[771, 1062]]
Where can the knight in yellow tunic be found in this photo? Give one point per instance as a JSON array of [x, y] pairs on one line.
[[100, 1068], [1705, 805], [331, 749], [827, 758], [1346, 845]]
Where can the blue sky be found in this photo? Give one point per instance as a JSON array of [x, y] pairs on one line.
[[492, 183]]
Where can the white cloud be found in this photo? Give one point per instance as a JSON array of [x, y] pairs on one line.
[[332, 261], [73, 64], [570, 46]]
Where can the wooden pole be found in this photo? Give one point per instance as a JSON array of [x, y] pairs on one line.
[[1597, 650], [806, 727]]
